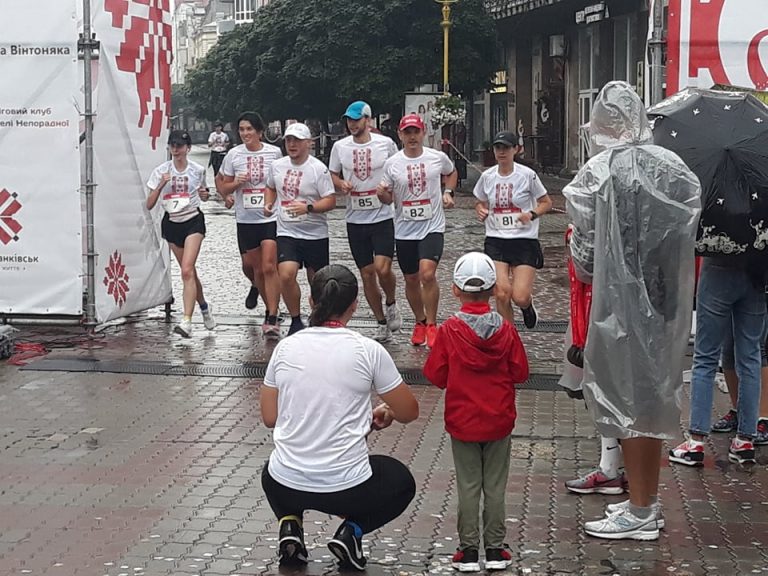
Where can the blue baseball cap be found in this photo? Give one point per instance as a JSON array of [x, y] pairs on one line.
[[357, 110]]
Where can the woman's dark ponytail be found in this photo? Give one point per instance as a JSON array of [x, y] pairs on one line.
[[334, 289]]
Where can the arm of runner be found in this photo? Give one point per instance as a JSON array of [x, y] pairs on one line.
[[543, 205], [323, 205], [342, 186], [450, 181], [402, 403], [270, 197], [481, 209], [156, 183]]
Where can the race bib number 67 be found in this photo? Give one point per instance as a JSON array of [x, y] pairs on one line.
[[253, 198]]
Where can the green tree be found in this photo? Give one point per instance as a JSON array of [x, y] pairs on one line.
[[309, 58]]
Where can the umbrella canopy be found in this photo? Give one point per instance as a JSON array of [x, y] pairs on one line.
[[723, 138]]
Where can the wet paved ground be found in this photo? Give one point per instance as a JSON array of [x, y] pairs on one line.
[[134, 474]]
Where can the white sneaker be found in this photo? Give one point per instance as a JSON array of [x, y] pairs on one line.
[[383, 333], [624, 525], [270, 332], [184, 328], [611, 508], [394, 320], [208, 320]]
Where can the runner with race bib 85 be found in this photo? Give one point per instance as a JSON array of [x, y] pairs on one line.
[[356, 165], [412, 180], [180, 185], [510, 200]]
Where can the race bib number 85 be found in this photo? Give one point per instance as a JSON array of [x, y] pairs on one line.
[[365, 200]]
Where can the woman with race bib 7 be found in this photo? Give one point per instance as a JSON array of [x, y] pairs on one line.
[[180, 185], [510, 200]]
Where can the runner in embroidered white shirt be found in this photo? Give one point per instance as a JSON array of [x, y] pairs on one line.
[[412, 180], [510, 199], [300, 191], [357, 166], [218, 142], [242, 182], [317, 397], [180, 185]]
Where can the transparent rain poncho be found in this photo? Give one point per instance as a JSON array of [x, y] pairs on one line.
[[635, 208]]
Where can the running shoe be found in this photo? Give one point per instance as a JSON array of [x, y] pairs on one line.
[[690, 453], [431, 335], [741, 451], [270, 331], [291, 546], [761, 438], [623, 525], [467, 560], [727, 423], [296, 325], [619, 506], [419, 336], [208, 319], [347, 547], [596, 482], [530, 316], [184, 328], [252, 299], [497, 558], [394, 320], [383, 334]]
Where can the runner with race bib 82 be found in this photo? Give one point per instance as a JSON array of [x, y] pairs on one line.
[[412, 180]]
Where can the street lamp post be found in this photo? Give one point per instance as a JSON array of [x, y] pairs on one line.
[[446, 24]]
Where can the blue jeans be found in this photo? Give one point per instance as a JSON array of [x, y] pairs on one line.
[[726, 293]]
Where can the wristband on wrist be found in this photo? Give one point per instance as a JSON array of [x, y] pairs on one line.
[[448, 191], [534, 215]]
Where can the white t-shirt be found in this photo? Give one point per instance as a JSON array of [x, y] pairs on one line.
[[308, 182], [363, 165], [418, 196], [324, 378], [218, 142], [249, 197], [507, 197], [179, 197]]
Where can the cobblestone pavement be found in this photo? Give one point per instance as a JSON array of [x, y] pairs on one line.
[[132, 474]]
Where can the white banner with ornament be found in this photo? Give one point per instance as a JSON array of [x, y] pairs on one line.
[[717, 42], [41, 264], [130, 131]]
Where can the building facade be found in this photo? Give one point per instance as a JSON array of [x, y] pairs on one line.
[[557, 54]]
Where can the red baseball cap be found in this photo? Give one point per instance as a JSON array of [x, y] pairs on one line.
[[411, 121]]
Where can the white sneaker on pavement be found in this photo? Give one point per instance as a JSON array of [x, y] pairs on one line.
[[611, 508], [208, 319], [394, 320], [184, 328], [622, 525], [383, 333]]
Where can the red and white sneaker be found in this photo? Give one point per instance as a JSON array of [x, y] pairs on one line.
[[431, 335], [419, 336], [596, 482], [497, 558], [741, 451], [467, 560], [689, 453]]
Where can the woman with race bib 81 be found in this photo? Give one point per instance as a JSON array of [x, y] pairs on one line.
[[510, 200], [181, 184]]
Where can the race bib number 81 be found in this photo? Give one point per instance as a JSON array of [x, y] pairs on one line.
[[506, 219], [417, 210]]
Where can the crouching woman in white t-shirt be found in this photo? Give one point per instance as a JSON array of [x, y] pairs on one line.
[[317, 397]]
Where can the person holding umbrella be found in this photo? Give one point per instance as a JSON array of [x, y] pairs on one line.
[[723, 138], [634, 208]]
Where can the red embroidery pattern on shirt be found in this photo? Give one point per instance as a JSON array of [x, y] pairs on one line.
[[504, 195], [180, 185], [361, 163], [255, 169], [292, 184], [417, 179]]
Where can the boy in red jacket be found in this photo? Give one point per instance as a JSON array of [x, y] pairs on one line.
[[478, 358]]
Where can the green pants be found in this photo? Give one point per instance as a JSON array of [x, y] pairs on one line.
[[481, 467]]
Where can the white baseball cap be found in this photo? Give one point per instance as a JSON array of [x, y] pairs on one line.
[[298, 130], [474, 272]]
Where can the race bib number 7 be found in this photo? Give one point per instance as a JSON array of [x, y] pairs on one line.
[[175, 203], [417, 210], [365, 200], [253, 198]]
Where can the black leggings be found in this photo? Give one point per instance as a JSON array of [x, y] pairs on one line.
[[370, 505]]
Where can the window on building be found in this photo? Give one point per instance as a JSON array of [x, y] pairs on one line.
[[478, 122], [244, 10]]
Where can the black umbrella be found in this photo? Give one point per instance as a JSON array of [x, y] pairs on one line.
[[723, 138]]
